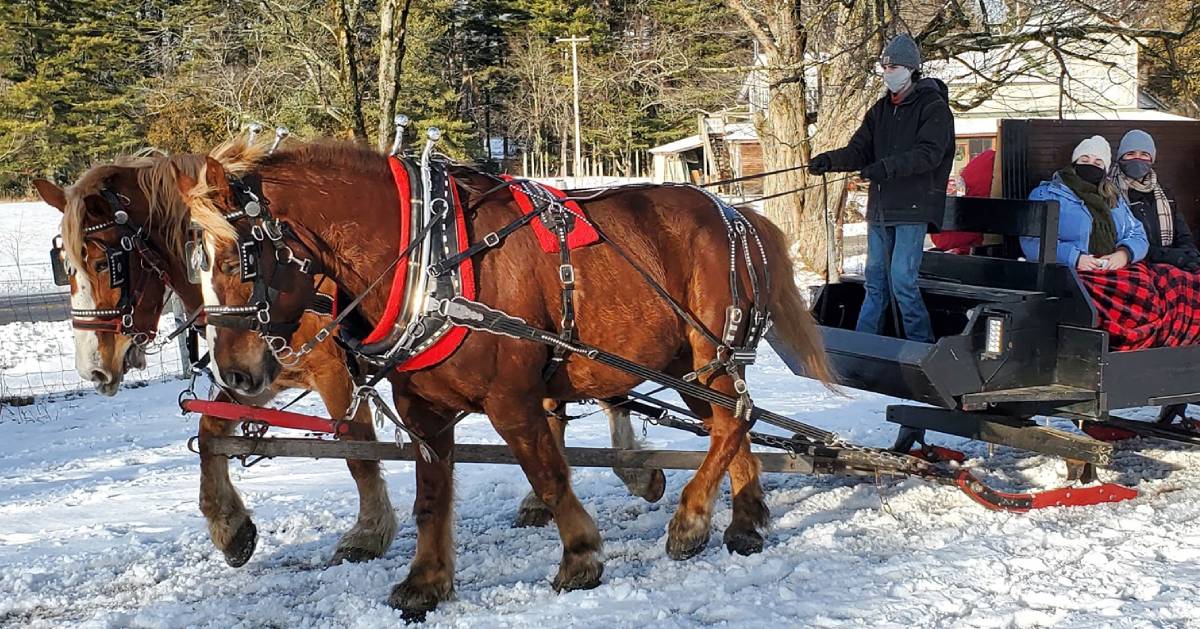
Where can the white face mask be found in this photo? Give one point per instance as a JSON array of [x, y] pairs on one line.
[[897, 79]]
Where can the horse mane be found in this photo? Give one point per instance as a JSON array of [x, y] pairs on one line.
[[240, 156], [156, 180]]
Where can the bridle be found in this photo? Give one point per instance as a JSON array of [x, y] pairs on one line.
[[276, 238], [132, 239]]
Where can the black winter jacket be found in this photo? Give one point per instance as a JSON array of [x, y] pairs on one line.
[[1182, 250], [915, 142]]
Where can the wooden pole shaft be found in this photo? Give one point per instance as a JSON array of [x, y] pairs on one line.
[[484, 453]]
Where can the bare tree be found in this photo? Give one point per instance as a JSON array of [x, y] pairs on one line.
[[820, 57], [543, 113], [393, 33], [347, 13]]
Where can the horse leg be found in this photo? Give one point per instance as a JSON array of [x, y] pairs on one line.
[[430, 577], [524, 429], [649, 484], [750, 514], [533, 512], [229, 524], [375, 527], [689, 529]]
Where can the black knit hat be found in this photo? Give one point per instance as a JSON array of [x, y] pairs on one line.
[[901, 51]]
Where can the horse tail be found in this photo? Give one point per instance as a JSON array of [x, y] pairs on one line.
[[793, 323]]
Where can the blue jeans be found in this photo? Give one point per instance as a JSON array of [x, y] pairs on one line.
[[903, 244]]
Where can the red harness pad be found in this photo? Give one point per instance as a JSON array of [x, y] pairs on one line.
[[581, 234], [1146, 305], [446, 345]]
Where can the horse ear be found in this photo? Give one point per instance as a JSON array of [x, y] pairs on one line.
[[51, 194], [214, 176], [183, 181]]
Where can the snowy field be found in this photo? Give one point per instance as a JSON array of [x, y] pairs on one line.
[[25, 233], [99, 527], [99, 524]]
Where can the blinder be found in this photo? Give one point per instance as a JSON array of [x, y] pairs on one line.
[[248, 252], [195, 254]]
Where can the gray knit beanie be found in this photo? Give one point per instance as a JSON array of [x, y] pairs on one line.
[[901, 51], [1137, 140]]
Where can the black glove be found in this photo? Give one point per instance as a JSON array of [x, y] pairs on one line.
[[820, 164], [1190, 261], [874, 172]]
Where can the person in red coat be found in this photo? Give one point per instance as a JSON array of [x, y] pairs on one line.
[[977, 178]]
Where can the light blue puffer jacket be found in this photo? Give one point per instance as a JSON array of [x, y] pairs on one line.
[[1075, 225]]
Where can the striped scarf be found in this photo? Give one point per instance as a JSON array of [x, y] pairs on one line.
[[1166, 222]]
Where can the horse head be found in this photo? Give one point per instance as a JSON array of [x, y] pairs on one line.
[[117, 280], [256, 274]]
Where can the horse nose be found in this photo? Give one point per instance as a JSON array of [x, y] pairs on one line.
[[100, 376], [239, 379]]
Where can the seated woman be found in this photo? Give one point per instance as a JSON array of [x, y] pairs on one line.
[[1099, 236], [1170, 239], [975, 180], [1096, 230]]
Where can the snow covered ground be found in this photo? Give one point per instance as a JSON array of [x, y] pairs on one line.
[[99, 527], [25, 233]]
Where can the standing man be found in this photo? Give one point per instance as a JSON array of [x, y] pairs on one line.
[[905, 148]]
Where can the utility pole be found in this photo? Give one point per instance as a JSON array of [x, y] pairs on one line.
[[575, 41]]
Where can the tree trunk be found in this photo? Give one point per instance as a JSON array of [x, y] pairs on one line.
[[846, 89], [392, 47], [349, 68]]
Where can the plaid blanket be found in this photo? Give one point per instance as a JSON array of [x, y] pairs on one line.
[[1146, 305]]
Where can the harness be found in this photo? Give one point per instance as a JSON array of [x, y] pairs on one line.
[[436, 234], [272, 236], [133, 239], [552, 211]]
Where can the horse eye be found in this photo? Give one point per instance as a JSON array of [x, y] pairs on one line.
[[230, 266], [101, 266]]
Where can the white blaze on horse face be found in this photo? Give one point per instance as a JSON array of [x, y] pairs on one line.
[[209, 291], [87, 344]]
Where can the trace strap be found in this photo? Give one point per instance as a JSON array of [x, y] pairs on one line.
[[477, 316]]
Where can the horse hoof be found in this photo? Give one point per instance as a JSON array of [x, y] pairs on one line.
[[241, 547], [743, 542], [413, 602], [656, 487], [352, 555], [686, 536], [681, 549], [582, 575], [533, 518]]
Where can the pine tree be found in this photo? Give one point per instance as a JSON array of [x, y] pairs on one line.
[[69, 74]]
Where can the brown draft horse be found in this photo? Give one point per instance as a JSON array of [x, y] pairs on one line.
[[147, 185], [147, 190], [341, 203]]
